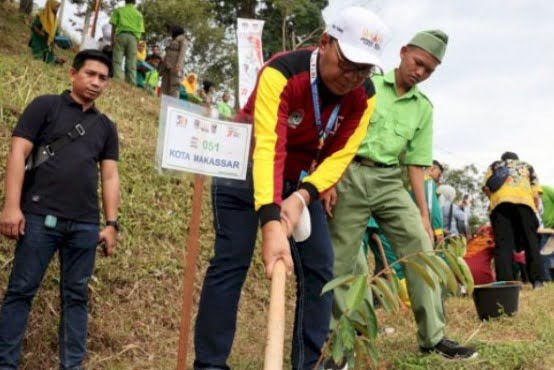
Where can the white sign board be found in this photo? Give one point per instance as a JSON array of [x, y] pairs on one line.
[[194, 143]]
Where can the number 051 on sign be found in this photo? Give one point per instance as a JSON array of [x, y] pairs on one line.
[[192, 142]]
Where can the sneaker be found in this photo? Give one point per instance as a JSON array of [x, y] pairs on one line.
[[450, 349], [329, 364], [538, 284]]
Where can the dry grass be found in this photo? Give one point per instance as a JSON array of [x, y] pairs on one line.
[[136, 296]]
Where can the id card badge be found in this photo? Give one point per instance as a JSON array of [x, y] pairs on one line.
[[50, 221], [302, 175]]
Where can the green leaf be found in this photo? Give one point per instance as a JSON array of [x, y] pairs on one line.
[[463, 246], [429, 261], [371, 351], [361, 327], [451, 282], [356, 292], [451, 260], [347, 333], [440, 265], [422, 272], [368, 312], [373, 354], [469, 283], [389, 295], [395, 285], [351, 359], [337, 348], [336, 282], [381, 297]]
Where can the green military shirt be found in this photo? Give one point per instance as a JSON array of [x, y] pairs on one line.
[[399, 123], [128, 19]]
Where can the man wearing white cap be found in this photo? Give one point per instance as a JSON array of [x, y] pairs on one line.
[[372, 186], [310, 111]]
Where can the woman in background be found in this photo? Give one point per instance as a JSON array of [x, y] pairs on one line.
[[141, 51], [43, 31]]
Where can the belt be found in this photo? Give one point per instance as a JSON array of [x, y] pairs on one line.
[[369, 163]]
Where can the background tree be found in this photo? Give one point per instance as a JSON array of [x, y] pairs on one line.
[[26, 6], [211, 51], [290, 24]]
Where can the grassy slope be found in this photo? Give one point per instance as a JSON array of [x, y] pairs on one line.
[[136, 296]]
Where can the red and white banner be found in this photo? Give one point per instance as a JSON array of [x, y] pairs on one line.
[[249, 44]]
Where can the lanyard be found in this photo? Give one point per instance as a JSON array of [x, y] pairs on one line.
[[322, 131]]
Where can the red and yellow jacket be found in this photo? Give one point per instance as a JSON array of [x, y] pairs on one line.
[[285, 134]]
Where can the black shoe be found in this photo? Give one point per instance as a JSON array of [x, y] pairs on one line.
[[538, 284], [451, 349]]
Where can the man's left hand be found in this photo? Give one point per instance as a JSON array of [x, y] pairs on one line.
[[429, 229], [108, 238], [291, 209]]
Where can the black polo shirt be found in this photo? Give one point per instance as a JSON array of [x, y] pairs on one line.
[[66, 185]]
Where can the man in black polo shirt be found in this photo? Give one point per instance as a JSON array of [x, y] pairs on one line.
[[53, 207]]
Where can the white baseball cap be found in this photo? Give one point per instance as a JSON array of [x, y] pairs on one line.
[[361, 34]]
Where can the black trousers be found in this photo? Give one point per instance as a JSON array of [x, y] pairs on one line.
[[515, 229]]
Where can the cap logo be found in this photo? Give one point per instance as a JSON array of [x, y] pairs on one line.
[[338, 28], [371, 39]]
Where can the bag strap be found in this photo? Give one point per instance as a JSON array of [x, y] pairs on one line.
[[44, 152]]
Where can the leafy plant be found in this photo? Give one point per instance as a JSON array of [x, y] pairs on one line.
[[353, 340]]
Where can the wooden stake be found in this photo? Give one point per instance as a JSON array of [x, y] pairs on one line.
[[190, 271]]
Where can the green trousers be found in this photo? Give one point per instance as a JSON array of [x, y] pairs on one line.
[[364, 192], [125, 45]]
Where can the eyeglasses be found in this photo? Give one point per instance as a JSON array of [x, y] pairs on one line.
[[350, 67]]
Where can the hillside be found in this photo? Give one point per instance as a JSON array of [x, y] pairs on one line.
[[136, 295]]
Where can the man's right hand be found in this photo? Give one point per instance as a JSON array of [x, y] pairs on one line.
[[329, 198], [275, 246], [12, 222]]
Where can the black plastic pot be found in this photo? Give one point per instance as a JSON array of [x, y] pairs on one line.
[[496, 299]]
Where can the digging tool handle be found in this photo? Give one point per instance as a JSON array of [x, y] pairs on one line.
[[274, 349]]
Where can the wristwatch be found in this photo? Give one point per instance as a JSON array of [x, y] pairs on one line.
[[113, 223]]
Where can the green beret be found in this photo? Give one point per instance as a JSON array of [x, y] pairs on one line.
[[433, 41]]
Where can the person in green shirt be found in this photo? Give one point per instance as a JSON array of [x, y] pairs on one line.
[[372, 187], [127, 28], [225, 111], [148, 80]]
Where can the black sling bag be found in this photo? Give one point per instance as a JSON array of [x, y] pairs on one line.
[[44, 152]]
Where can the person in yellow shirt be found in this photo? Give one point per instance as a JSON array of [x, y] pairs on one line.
[[191, 83], [513, 208]]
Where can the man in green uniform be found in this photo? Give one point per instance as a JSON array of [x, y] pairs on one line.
[[128, 27], [372, 186]]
